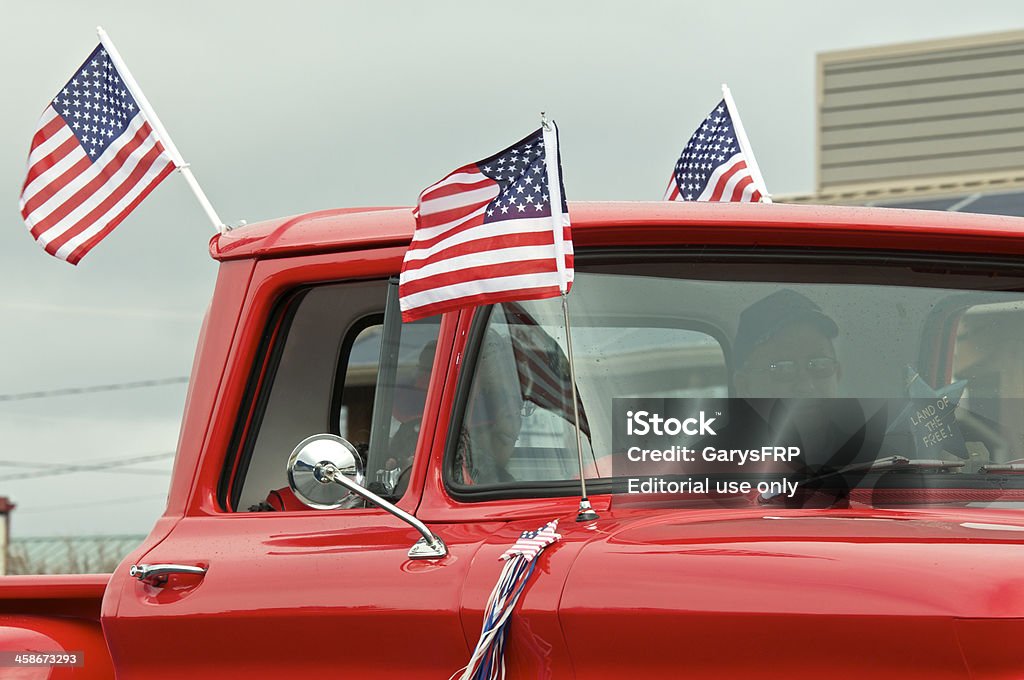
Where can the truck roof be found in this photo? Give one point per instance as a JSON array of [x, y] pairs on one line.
[[652, 222]]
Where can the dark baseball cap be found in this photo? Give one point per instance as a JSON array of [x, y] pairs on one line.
[[761, 320]]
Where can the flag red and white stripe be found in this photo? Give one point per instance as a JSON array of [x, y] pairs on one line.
[[530, 543], [730, 182], [485, 234], [94, 157], [542, 366], [70, 202], [717, 164]]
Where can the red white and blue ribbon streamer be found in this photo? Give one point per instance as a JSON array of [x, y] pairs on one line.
[[488, 660]]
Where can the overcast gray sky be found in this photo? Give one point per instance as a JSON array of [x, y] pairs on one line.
[[283, 108]]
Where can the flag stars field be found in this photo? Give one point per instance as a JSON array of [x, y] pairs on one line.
[[110, 90]]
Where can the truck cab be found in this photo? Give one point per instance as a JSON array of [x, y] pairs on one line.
[[895, 556]]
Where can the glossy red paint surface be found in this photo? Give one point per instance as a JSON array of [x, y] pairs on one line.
[[653, 223], [56, 614], [318, 232], [283, 587], [57, 595], [805, 589], [747, 590], [56, 587], [52, 633]]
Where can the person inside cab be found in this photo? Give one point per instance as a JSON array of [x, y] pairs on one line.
[[494, 416], [784, 348], [787, 371]]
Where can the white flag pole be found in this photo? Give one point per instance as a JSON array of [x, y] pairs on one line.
[[550, 134], [161, 132], [741, 137]]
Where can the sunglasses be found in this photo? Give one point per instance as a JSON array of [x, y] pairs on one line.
[[788, 371]]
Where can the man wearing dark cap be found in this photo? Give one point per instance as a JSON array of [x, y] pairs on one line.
[[785, 367], [784, 348]]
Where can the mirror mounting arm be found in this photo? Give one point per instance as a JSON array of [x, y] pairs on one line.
[[429, 547], [323, 460]]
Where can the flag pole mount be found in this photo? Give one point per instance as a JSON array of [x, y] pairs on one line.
[[165, 139], [550, 131], [585, 513]]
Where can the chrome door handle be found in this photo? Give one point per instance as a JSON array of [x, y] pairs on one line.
[[156, 574]]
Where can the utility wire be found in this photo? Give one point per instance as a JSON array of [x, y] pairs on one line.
[[87, 504], [53, 469], [127, 460], [23, 396], [37, 465], [69, 471]]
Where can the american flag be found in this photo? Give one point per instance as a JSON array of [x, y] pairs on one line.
[[484, 234], [713, 167], [94, 157], [530, 543], [542, 367]]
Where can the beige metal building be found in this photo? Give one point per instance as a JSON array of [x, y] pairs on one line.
[[935, 125]]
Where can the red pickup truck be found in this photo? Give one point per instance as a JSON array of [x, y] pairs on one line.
[[453, 433]]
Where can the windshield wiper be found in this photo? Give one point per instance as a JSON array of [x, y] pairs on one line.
[[995, 468], [880, 465]]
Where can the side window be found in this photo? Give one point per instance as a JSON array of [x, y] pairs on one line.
[[406, 361], [332, 364], [516, 421], [989, 358], [359, 359]]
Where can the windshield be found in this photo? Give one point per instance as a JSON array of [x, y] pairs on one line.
[[898, 381]]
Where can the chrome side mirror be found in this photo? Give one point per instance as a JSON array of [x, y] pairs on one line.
[[324, 470], [308, 466]]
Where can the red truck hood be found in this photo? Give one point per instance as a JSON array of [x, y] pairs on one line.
[[918, 593], [966, 564]]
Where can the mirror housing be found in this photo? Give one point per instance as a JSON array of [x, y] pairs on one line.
[[309, 462]]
